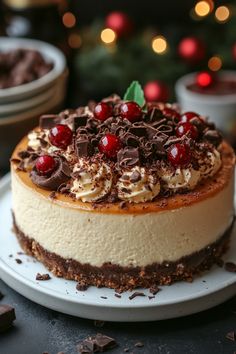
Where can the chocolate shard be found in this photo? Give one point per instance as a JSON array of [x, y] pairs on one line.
[[128, 157], [136, 294], [230, 267], [7, 317], [79, 121], [48, 121], [83, 148], [42, 276], [99, 343]]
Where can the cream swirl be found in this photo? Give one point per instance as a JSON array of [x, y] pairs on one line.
[[210, 163], [181, 178], [137, 185], [35, 138], [93, 180]]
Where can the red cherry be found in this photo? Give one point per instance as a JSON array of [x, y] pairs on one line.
[[187, 128], [131, 111], [187, 116], [102, 111], [179, 154], [204, 79], [60, 136], [45, 164], [109, 145], [170, 113]]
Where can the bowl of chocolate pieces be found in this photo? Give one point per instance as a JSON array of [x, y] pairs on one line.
[[33, 77]]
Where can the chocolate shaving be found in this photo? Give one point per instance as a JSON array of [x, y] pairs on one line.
[[59, 176], [230, 267], [48, 121], [43, 277], [213, 136], [83, 148], [136, 294], [128, 157]]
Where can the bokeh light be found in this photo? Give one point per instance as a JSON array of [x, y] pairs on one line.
[[108, 36], [222, 13], [69, 20], [215, 63], [159, 45], [202, 8], [74, 40]]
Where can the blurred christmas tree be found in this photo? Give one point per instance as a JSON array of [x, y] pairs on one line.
[[113, 52]]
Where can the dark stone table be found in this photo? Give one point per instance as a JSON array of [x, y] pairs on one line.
[[39, 330]]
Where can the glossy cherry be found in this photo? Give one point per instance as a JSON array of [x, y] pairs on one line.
[[170, 113], [187, 116], [179, 154], [186, 128], [60, 136], [131, 111], [45, 164], [109, 145], [102, 111]]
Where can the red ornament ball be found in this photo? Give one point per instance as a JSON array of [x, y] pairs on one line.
[[109, 145], [120, 23], [179, 154], [45, 165], [191, 49], [60, 136], [131, 111], [156, 91], [204, 79], [102, 111], [186, 129]]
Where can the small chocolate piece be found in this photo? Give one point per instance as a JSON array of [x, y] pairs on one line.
[[7, 317], [103, 297], [118, 295], [139, 345], [48, 121], [99, 343], [136, 294], [128, 157], [18, 261], [135, 177], [79, 121], [230, 267], [42, 276], [213, 136], [81, 286], [83, 148], [231, 336], [154, 289]]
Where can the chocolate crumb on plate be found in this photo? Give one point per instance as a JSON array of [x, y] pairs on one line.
[[136, 294], [103, 297], [18, 261], [7, 317], [231, 336], [42, 276], [81, 286], [154, 289], [151, 297], [117, 295], [99, 343], [230, 267], [139, 345]]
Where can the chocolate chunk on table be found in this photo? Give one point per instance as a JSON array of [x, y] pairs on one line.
[[7, 317], [96, 344]]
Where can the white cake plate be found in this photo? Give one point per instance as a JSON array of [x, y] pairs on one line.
[[177, 300]]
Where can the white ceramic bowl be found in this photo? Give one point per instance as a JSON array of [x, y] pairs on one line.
[[49, 52], [221, 109]]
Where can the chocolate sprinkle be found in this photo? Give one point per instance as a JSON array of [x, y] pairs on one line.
[[42, 276], [18, 261]]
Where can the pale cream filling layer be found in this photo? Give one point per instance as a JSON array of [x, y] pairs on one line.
[[124, 239]]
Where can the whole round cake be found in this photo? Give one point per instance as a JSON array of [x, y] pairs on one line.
[[124, 193]]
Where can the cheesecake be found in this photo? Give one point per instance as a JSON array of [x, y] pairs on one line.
[[124, 195]]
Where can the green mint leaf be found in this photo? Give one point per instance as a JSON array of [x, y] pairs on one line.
[[135, 93]]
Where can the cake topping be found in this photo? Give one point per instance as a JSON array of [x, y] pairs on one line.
[[60, 175], [60, 136], [123, 150]]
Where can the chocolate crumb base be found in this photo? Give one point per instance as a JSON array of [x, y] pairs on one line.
[[127, 278]]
